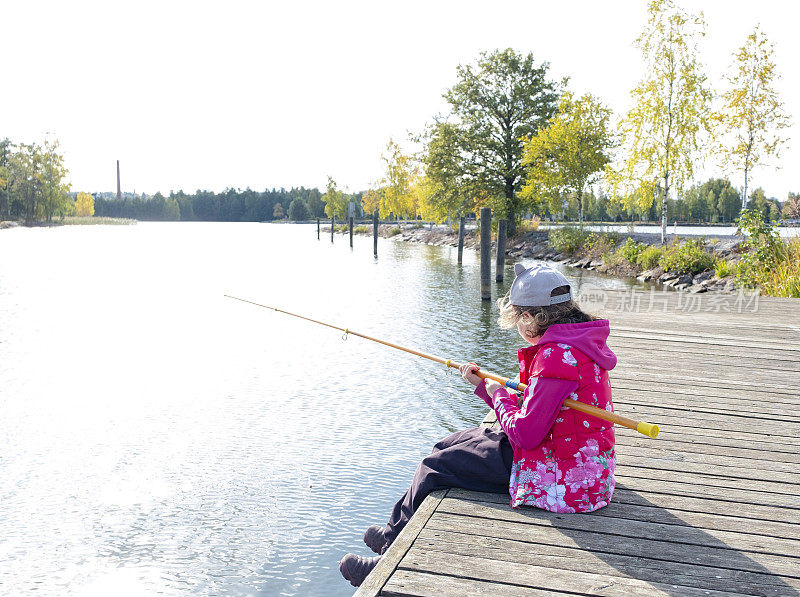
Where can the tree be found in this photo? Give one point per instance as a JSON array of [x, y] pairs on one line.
[[767, 207], [371, 201], [444, 174], [298, 210], [315, 206], [84, 205], [172, 210], [661, 133], [568, 155], [397, 199], [5, 177], [504, 98], [25, 167], [752, 113], [791, 209], [335, 201], [55, 193], [277, 211]]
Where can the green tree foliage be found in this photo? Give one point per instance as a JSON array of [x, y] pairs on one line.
[[661, 133], [446, 184], [752, 114], [791, 209], [569, 153], [768, 208], [55, 198], [5, 177], [712, 201], [172, 210], [314, 203], [298, 210], [229, 206], [335, 201], [33, 176], [495, 104], [277, 211]]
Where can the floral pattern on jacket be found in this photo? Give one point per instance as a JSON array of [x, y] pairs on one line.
[[572, 469]]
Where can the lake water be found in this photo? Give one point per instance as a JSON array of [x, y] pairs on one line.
[[157, 438]]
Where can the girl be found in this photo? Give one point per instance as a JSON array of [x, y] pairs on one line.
[[547, 455]]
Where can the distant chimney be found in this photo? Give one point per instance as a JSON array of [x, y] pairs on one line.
[[119, 193]]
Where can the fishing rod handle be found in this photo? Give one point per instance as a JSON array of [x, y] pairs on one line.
[[649, 429]]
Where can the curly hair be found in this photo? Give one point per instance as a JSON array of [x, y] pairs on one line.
[[540, 318]]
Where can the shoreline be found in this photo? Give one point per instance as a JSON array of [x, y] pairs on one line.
[[536, 245]]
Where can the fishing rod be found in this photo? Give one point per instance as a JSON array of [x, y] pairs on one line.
[[648, 429]]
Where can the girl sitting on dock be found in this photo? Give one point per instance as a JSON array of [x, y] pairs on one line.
[[547, 455]]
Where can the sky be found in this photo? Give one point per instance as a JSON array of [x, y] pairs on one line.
[[210, 95]]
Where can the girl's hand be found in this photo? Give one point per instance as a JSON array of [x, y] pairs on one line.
[[468, 372]]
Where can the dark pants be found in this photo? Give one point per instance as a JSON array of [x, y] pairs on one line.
[[478, 459]]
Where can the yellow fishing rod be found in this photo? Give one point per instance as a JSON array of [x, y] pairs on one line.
[[648, 429]]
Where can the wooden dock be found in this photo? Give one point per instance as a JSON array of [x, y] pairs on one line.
[[711, 507]]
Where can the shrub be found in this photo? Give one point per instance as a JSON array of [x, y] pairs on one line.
[[687, 258], [601, 243], [630, 250], [298, 210], [649, 256], [765, 251], [531, 225], [394, 231], [567, 239], [723, 268], [360, 230]]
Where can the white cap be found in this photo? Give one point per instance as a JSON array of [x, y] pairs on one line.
[[532, 286]]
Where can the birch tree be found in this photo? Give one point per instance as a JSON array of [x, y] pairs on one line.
[[335, 201], [570, 153], [752, 115], [397, 182], [662, 133]]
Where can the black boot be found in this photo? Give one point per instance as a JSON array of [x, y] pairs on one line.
[[375, 539], [356, 568]]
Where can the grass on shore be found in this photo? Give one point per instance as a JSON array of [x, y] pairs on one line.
[[92, 220]]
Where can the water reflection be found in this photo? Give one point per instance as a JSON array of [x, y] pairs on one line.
[[157, 435]]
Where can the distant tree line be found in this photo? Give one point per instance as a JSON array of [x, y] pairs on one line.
[[231, 205]]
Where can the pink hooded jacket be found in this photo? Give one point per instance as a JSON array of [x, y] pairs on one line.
[[564, 460]]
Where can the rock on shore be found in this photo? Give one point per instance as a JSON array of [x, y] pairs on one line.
[[534, 245]]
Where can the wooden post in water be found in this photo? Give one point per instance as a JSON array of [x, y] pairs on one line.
[[317, 228], [486, 253], [500, 264], [350, 223], [375, 233], [460, 238], [333, 223]]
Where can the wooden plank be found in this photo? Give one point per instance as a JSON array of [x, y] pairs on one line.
[[373, 584], [631, 346], [710, 554], [506, 573], [618, 380], [608, 524], [631, 461], [646, 569], [410, 583], [676, 504], [701, 441], [702, 481], [628, 444]]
